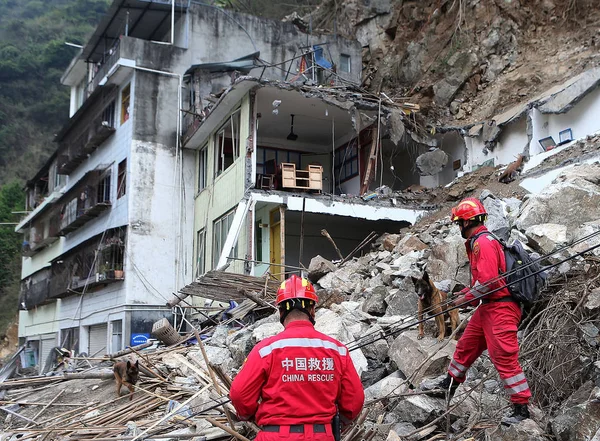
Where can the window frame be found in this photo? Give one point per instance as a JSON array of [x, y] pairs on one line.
[[219, 142], [200, 252], [122, 179], [345, 63], [125, 103], [202, 162], [342, 160], [220, 235]]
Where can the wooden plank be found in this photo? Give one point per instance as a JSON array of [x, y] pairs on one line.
[[282, 236]]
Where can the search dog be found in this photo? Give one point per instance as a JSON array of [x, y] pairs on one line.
[[126, 373], [433, 301]]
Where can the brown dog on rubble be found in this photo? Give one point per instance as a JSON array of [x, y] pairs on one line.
[[126, 373], [433, 301], [510, 174]]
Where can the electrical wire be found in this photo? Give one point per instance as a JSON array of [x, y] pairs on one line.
[[357, 344], [501, 277]]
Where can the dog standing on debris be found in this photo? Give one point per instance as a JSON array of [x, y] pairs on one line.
[[126, 373], [510, 174], [434, 301]]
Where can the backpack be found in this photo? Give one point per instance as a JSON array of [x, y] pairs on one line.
[[519, 266]]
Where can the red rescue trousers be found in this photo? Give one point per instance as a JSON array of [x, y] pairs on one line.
[[493, 327]]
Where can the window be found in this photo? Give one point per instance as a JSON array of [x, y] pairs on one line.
[[344, 63], [221, 228], [117, 335], [346, 161], [125, 101], [103, 194], [108, 115], [265, 157], [200, 252], [122, 179], [202, 157], [259, 237], [227, 143]]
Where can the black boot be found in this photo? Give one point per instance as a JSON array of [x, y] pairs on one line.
[[520, 413], [447, 385]]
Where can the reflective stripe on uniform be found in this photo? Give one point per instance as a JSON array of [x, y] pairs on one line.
[[515, 379], [301, 343], [516, 389], [457, 369], [511, 385]]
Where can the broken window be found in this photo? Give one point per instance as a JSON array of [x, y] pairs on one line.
[[259, 239], [122, 179], [345, 63], [200, 252], [202, 168], [221, 228], [103, 192], [125, 101], [346, 161], [227, 143], [108, 115]]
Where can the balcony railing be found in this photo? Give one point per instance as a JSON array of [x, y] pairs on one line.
[[85, 201], [35, 293], [75, 152], [103, 68], [43, 232]]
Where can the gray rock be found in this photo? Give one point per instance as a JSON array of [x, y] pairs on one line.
[[219, 337], [319, 266], [577, 423], [378, 350], [389, 241], [592, 303], [405, 265], [527, 430], [375, 303], [462, 65], [419, 409], [448, 259], [497, 220], [431, 163], [266, 330], [402, 301], [345, 279], [590, 334], [409, 353], [240, 344], [403, 429], [546, 238], [373, 375], [408, 244], [390, 385], [217, 356], [585, 230], [578, 199]]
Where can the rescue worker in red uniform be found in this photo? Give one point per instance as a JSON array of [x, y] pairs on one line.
[[292, 384], [494, 324]]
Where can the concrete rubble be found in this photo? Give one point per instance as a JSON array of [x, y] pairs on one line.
[[375, 303]]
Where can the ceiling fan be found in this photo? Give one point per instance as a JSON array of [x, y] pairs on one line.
[[292, 136]]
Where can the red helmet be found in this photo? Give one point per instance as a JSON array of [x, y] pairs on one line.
[[296, 288], [467, 209]]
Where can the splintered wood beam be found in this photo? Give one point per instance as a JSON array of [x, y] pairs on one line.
[[330, 239]]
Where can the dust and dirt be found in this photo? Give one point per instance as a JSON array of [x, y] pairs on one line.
[[10, 340]]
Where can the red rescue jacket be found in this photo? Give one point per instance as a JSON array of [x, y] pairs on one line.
[[297, 377], [487, 263]]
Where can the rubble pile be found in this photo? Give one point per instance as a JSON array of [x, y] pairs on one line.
[[369, 303]]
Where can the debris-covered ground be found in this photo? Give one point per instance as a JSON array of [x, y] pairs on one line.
[[369, 303]]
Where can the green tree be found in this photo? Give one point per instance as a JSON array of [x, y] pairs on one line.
[[12, 199]]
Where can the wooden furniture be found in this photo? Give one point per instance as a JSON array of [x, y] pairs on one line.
[[309, 179]]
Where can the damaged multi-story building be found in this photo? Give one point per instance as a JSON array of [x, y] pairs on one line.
[[195, 135]]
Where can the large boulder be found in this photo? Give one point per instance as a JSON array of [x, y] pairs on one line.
[[240, 344], [546, 238], [216, 356], [405, 266], [432, 162], [419, 409], [345, 279], [449, 259], [527, 430], [409, 353], [391, 385], [577, 423], [497, 221], [319, 266], [389, 241], [409, 243], [572, 199], [375, 302], [266, 330], [403, 300]]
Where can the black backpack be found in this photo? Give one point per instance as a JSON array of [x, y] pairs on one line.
[[519, 266]]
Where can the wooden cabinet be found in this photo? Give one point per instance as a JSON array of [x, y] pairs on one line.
[[310, 179]]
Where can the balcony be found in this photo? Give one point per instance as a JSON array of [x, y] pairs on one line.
[[85, 201], [81, 269], [42, 233], [73, 153], [35, 290]]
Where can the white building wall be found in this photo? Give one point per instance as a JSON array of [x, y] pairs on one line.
[[42, 258], [40, 320]]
